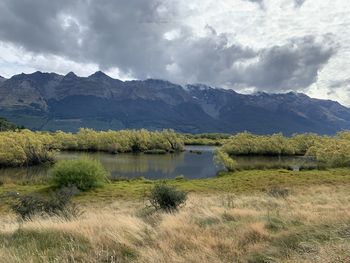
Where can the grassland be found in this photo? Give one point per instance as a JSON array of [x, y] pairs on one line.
[[252, 216], [230, 218]]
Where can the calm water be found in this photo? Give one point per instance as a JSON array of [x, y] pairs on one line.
[[195, 162], [190, 164], [157, 166]]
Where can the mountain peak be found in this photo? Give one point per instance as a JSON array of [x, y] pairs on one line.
[[99, 75], [37, 73], [71, 75]]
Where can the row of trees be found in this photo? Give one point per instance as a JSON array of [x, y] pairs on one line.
[[328, 151], [118, 141], [275, 145], [24, 147]]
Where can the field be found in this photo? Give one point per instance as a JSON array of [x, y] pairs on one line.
[[249, 216], [237, 217]]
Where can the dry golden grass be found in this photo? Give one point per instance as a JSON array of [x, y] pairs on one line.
[[310, 225]]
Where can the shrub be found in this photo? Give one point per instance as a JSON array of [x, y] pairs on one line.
[[331, 152], [25, 148], [275, 145], [11, 153], [85, 173], [59, 203], [37, 152], [28, 205], [167, 198], [222, 158]]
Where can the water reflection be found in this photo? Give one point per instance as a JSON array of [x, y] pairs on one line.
[[268, 162], [195, 162], [157, 166], [24, 174]]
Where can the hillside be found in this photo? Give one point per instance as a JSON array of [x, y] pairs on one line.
[[49, 101]]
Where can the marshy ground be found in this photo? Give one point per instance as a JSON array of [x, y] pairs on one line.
[[238, 217]]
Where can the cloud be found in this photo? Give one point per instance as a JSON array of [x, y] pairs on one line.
[[140, 38], [212, 60], [36, 25], [259, 2], [208, 59], [294, 66], [153, 38], [339, 84], [299, 2], [127, 34]]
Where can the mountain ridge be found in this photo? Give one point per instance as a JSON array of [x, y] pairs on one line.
[[50, 101]]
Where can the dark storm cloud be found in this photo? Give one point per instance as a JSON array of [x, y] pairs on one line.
[[127, 34], [35, 25], [147, 39], [292, 66], [207, 59]]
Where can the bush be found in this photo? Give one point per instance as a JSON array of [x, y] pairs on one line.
[[25, 148], [85, 173], [28, 205], [167, 198], [59, 203], [222, 158], [11, 153]]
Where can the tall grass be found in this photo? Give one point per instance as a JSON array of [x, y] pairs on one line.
[[306, 226]]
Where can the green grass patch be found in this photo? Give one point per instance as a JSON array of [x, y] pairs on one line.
[[44, 246], [236, 182]]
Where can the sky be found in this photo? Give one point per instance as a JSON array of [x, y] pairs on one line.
[[246, 45]]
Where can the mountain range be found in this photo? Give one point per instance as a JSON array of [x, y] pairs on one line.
[[49, 101]]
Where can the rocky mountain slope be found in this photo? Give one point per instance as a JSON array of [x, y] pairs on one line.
[[49, 101]]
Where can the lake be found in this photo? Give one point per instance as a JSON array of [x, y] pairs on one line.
[[194, 163]]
